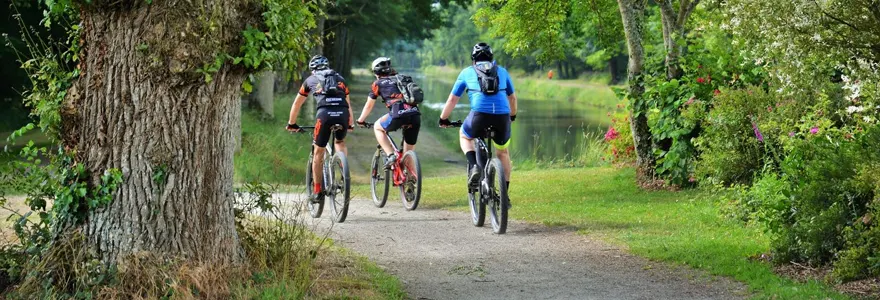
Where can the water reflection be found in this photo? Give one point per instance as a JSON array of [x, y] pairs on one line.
[[545, 129]]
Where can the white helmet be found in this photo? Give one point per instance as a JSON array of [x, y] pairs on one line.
[[381, 66]]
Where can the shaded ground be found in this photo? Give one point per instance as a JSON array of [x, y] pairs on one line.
[[438, 254]]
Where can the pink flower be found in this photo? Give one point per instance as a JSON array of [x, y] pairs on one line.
[[758, 134], [791, 134], [611, 134], [701, 80], [814, 130], [690, 101], [716, 92], [769, 108]]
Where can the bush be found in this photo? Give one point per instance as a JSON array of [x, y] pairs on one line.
[[731, 151], [827, 194], [819, 205]]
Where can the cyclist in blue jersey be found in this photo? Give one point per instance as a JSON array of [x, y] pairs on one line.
[[493, 103]]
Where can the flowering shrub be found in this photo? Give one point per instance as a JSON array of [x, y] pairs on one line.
[[731, 150], [619, 138], [808, 171], [679, 106]]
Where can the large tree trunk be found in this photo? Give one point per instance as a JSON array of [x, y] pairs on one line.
[[148, 113], [633, 14]]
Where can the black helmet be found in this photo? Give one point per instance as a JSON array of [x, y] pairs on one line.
[[318, 62], [482, 52], [381, 66]]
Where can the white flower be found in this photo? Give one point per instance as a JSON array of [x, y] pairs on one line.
[[854, 109], [817, 37], [868, 119]]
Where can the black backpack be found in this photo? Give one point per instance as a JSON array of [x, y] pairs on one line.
[[329, 82], [412, 92], [487, 74]]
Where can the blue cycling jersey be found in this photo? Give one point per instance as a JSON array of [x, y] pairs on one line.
[[489, 104]]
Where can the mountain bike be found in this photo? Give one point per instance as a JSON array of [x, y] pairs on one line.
[[337, 180], [405, 172], [491, 189]]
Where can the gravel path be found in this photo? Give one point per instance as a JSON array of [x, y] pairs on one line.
[[438, 254]]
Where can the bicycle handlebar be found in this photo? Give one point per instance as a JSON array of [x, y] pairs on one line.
[[455, 124], [310, 129]]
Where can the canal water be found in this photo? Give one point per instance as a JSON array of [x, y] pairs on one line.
[[545, 129]]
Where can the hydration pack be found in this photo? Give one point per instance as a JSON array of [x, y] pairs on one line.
[[329, 81], [412, 92], [487, 74]]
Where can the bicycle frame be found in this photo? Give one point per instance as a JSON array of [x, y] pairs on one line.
[[330, 152], [397, 175]]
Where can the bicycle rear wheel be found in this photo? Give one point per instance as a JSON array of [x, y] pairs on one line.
[[411, 189], [339, 186], [497, 192], [315, 209], [380, 179]]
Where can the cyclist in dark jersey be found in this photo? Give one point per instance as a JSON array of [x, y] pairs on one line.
[[497, 110], [333, 108], [401, 115]]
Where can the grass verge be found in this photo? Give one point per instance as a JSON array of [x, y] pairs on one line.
[[677, 227], [268, 152]]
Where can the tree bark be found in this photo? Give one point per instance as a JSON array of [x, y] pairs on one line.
[[674, 31], [171, 133], [632, 13]]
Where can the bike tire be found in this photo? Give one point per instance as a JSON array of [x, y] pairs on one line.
[[477, 206], [411, 189], [377, 167], [340, 186], [315, 209], [498, 200]]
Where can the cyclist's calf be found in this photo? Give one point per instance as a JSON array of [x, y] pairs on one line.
[[504, 156]]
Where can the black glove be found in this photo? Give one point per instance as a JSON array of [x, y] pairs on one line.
[[445, 122], [362, 124], [513, 118], [293, 127]]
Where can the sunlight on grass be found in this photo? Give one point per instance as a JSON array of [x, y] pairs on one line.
[[679, 227]]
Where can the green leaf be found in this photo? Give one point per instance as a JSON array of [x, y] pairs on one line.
[[247, 86]]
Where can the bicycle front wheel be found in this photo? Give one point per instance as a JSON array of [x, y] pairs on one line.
[[497, 192], [339, 186], [379, 179], [315, 209], [411, 189]]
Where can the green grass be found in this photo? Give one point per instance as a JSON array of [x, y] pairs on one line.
[[269, 153], [362, 280], [677, 227], [386, 285]]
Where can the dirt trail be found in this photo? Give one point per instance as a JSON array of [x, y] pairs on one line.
[[438, 254]]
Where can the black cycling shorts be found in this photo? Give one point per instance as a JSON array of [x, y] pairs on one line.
[[410, 124], [476, 123], [325, 119]]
